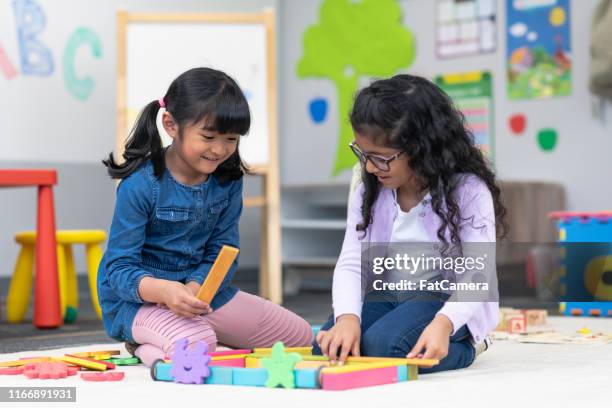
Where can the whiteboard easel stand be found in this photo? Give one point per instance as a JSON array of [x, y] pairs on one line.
[[270, 272]]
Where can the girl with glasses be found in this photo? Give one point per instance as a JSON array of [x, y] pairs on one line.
[[423, 181]]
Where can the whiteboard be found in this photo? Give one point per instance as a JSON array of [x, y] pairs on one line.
[[158, 52]]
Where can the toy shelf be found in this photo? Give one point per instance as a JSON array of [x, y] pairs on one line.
[[313, 222]]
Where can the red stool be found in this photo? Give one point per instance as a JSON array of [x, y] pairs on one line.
[[46, 292]]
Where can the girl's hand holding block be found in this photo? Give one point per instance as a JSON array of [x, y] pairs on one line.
[[179, 299], [217, 273]]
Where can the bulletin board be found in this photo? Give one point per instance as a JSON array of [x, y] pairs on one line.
[[472, 94]]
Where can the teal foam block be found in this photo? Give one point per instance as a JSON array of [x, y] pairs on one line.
[[315, 329], [161, 371], [306, 378], [254, 377], [402, 373], [220, 375]]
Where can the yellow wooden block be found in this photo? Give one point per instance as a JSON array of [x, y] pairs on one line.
[[19, 363], [85, 363], [304, 351], [217, 273]]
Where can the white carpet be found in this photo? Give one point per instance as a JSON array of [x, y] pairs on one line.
[[509, 374]]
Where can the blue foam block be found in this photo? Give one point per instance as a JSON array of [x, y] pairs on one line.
[[256, 377], [306, 378], [402, 373], [220, 375], [161, 371]]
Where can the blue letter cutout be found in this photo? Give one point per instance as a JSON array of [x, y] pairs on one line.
[[36, 59]]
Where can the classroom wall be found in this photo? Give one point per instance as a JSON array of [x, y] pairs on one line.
[[580, 161], [72, 135], [44, 125]]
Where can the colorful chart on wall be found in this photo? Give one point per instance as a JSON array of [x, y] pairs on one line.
[[539, 49], [347, 53], [472, 93], [466, 27]]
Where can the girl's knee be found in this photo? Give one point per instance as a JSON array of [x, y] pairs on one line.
[[207, 336], [301, 334], [378, 344]]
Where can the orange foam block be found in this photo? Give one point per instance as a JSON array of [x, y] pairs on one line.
[[357, 379], [217, 273]]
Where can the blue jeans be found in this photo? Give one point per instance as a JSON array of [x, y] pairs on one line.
[[390, 327]]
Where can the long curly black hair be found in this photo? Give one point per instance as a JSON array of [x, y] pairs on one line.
[[413, 114]]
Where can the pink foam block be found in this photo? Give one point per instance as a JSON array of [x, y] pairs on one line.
[[229, 352], [357, 379], [233, 362], [105, 376], [11, 371]]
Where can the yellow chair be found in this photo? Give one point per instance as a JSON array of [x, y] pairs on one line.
[[20, 289]]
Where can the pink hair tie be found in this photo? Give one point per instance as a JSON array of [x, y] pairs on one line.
[[162, 104]]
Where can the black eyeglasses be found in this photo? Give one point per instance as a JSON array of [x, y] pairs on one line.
[[380, 162]]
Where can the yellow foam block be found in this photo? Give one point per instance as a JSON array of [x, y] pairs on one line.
[[85, 363], [304, 351], [229, 357], [421, 362], [101, 356], [255, 362], [252, 362], [217, 273], [93, 354], [19, 363], [315, 358], [360, 367], [312, 364]]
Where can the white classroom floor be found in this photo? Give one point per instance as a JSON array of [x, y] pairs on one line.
[[509, 374]]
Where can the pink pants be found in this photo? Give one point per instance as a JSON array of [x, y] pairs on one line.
[[246, 321]]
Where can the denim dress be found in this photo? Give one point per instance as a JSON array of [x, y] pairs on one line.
[[167, 230]]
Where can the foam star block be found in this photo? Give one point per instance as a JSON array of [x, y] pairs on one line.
[[280, 366]]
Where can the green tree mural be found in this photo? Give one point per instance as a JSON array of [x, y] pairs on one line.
[[354, 39]]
